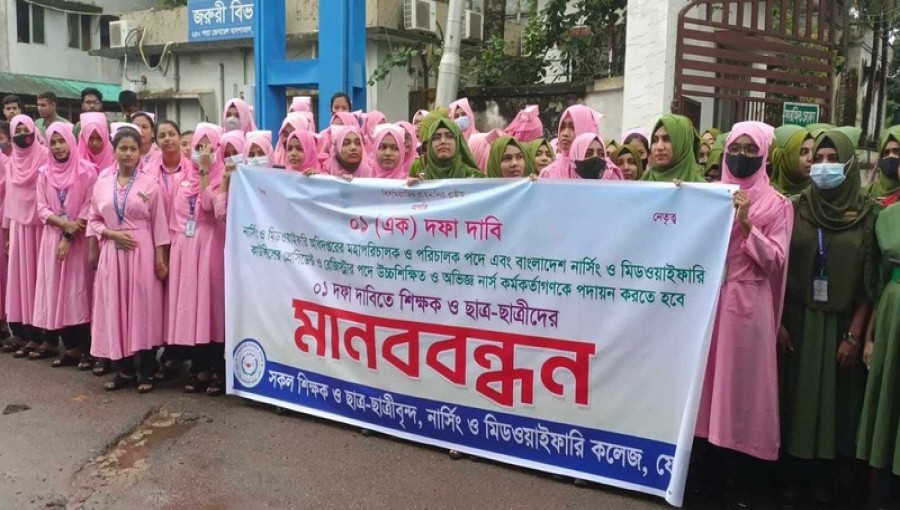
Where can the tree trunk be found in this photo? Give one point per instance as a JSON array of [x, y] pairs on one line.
[[494, 18], [873, 62]]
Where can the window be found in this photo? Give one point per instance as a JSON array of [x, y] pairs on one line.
[[104, 30], [37, 24], [86, 33], [79, 31], [23, 25]]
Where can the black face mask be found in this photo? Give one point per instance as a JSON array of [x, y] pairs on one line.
[[743, 166], [889, 167], [24, 141], [591, 168]]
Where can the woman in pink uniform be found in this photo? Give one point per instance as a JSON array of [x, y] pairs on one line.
[[62, 304], [22, 231], [739, 404], [128, 215], [169, 162], [577, 120], [93, 141], [11, 344], [195, 317]]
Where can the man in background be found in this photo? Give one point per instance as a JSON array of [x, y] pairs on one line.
[[46, 105]]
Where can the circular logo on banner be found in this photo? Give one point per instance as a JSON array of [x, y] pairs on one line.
[[249, 363]]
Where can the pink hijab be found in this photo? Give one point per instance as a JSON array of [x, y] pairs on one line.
[[423, 113], [310, 151], [637, 131], [401, 171], [480, 145], [62, 175], [414, 146], [579, 150], [263, 139], [244, 112], [25, 163], [767, 203], [339, 134], [299, 122], [586, 121], [213, 133], [373, 120], [237, 141], [527, 125], [464, 105], [95, 123], [301, 104]]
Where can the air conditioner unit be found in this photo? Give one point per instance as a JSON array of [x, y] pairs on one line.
[[473, 27], [119, 31], [420, 15]]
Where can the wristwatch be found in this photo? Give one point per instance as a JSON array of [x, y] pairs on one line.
[[67, 236]]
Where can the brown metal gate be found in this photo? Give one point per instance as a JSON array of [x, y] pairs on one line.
[[751, 56]]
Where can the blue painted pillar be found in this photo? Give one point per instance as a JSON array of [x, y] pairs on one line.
[[342, 49]]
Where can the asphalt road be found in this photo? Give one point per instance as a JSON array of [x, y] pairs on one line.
[[77, 446]]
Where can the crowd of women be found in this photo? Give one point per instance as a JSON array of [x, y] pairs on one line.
[[114, 243]]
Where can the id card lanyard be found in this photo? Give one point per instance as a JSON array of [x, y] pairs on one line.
[[120, 211], [190, 227], [61, 196], [820, 281]]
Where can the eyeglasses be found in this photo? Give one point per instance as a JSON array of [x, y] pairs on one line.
[[443, 136], [747, 150]]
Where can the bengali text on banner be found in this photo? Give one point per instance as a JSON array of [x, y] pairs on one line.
[[559, 326]]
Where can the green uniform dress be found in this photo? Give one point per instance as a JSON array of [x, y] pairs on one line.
[[822, 401], [879, 427]]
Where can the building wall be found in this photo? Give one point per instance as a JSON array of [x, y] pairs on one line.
[[606, 97], [54, 58]]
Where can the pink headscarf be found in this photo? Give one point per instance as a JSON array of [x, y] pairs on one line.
[[213, 133], [423, 113], [339, 134], [527, 125], [413, 153], [25, 163], [464, 105], [373, 120], [308, 145], [62, 175], [244, 112], [480, 145], [637, 131], [767, 203], [401, 171], [347, 119], [95, 123], [262, 139], [586, 121], [301, 104], [579, 151], [235, 139], [299, 122]]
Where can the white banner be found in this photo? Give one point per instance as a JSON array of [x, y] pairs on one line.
[[560, 326]]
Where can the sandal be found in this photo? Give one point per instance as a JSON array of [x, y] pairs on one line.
[[101, 367], [42, 353], [85, 362], [195, 384], [23, 352], [66, 360], [146, 385], [216, 386], [119, 382], [11, 345]]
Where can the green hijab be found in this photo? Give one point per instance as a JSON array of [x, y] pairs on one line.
[[630, 149], [714, 159], [785, 132], [843, 207], [495, 158], [684, 166], [787, 178], [883, 187], [531, 149], [461, 166], [816, 130]]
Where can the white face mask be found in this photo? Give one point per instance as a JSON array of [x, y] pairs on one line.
[[237, 159], [195, 157], [827, 175], [258, 161], [463, 123], [231, 124]]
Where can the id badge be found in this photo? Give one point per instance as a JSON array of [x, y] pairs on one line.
[[190, 228], [820, 289]]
